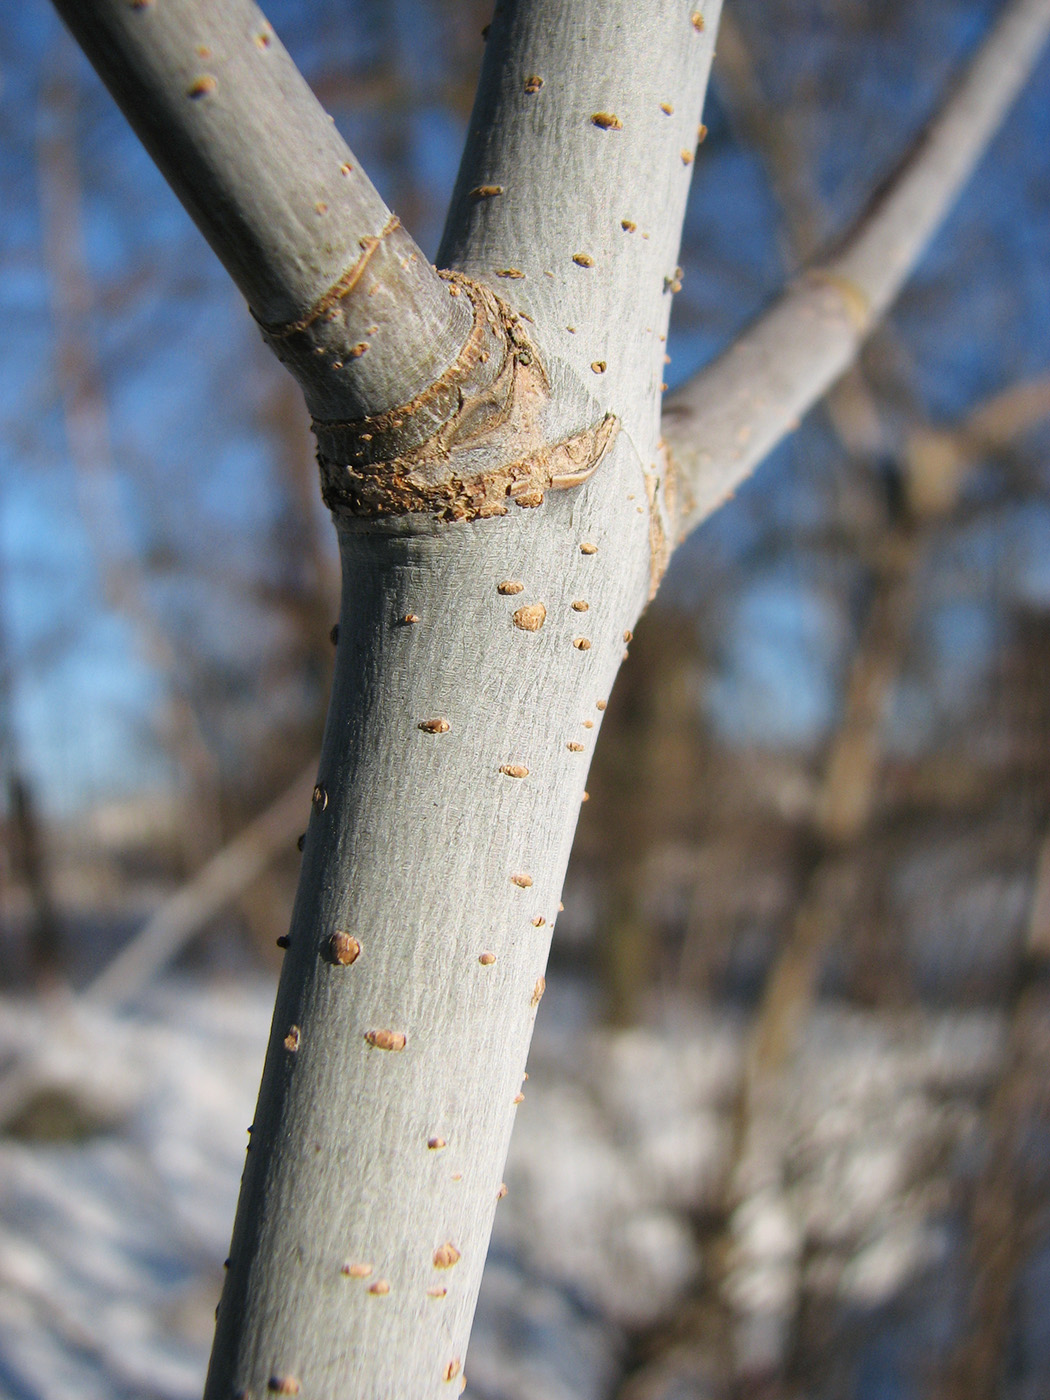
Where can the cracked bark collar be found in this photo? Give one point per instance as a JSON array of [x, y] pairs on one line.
[[472, 443]]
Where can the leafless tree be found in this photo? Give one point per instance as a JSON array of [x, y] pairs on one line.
[[507, 487]]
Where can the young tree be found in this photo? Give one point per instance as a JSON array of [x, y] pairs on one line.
[[506, 496]]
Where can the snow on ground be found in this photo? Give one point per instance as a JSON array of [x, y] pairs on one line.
[[111, 1245]]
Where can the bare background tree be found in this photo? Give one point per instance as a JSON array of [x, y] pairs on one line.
[[726, 870]]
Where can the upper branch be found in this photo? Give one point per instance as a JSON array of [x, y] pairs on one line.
[[342, 293], [574, 179], [726, 419]]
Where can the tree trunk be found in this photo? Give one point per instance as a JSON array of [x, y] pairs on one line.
[[474, 661], [489, 448]]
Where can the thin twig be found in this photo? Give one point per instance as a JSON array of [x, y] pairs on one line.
[[221, 880], [721, 424]]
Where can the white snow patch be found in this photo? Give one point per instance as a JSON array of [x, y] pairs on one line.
[[111, 1248]]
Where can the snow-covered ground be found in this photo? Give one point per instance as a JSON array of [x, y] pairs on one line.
[[111, 1245]]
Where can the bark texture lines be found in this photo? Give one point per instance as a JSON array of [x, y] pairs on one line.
[[266, 177], [467, 862], [586, 209], [727, 418]]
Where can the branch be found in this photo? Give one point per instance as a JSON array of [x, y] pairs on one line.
[[995, 423], [344, 296], [1005, 1207], [937, 458], [179, 919], [221, 880], [766, 128], [791, 170], [726, 420], [574, 179]]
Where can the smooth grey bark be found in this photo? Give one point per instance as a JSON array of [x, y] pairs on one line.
[[263, 172], [501, 525], [594, 167], [458, 743]]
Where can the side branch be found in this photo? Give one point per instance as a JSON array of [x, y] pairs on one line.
[[268, 180], [724, 422]]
